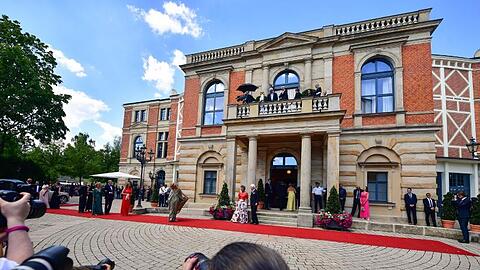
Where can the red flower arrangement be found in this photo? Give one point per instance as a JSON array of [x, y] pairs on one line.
[[339, 221], [224, 212]]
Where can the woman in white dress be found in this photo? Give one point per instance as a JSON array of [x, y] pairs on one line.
[[241, 215], [43, 195]]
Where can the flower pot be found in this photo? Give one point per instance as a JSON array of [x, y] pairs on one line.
[[475, 228], [448, 223], [154, 204], [260, 205]]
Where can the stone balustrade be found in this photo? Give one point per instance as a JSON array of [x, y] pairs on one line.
[[320, 104], [216, 54]]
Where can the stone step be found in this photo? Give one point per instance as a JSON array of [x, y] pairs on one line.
[[277, 214], [276, 218], [280, 223], [198, 205]]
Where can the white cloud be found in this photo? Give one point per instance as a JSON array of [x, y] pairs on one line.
[[178, 58], [80, 107], [160, 72], [109, 131], [69, 63], [176, 19]]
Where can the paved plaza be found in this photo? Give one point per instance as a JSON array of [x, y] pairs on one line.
[[151, 246]]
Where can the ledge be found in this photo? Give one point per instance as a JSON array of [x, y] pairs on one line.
[[383, 204], [208, 195]]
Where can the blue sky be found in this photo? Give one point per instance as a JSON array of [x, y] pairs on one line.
[[117, 51]]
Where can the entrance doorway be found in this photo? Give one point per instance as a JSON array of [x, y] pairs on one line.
[[283, 172]]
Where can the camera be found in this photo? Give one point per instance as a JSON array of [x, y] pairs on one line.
[[37, 207], [202, 261]]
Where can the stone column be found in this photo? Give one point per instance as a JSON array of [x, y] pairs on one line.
[[265, 79], [328, 67], [333, 160], [231, 166], [252, 160], [248, 76], [305, 172], [308, 74]]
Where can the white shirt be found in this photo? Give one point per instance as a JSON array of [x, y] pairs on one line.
[[317, 190], [162, 190], [6, 264]]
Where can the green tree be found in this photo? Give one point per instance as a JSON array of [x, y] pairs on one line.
[[333, 202], [448, 209], [475, 215], [29, 108], [49, 158], [223, 198], [81, 158], [261, 190], [111, 156]]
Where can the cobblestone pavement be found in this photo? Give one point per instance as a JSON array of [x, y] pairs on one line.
[[151, 246]]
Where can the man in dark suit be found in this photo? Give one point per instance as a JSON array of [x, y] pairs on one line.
[[272, 96], [254, 204], [268, 193], [283, 94], [298, 95], [411, 206], [109, 196], [342, 195], [429, 209], [463, 205], [82, 203], [356, 201]]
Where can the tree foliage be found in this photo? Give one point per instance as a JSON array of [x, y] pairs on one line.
[[475, 215], [29, 109], [261, 190], [81, 158], [333, 202], [223, 198], [448, 209], [50, 160]]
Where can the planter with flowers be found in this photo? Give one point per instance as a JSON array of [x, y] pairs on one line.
[[333, 217], [224, 208], [475, 215], [449, 213]]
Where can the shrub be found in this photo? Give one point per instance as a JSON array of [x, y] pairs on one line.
[[223, 198], [475, 214], [261, 191], [333, 203], [448, 209]]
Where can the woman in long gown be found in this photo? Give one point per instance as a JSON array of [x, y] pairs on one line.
[[291, 198], [364, 205], [55, 200], [88, 206], [176, 200], [97, 200], [241, 215], [43, 195], [126, 197]]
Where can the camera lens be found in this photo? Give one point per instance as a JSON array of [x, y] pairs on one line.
[[37, 209]]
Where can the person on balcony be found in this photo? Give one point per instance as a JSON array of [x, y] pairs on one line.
[[248, 98], [284, 94], [298, 95], [272, 96], [262, 97], [318, 90]]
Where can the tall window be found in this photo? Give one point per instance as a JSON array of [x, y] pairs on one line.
[[140, 116], [165, 114], [213, 105], [459, 182], [287, 79], [210, 182], [137, 144], [377, 86], [162, 144], [377, 183]]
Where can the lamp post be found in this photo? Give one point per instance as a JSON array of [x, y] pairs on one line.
[[141, 156], [473, 147]]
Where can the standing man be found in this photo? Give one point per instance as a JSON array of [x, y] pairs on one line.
[[161, 194], [109, 193], [272, 96], [356, 201], [411, 206], [429, 208], [254, 204], [317, 192], [82, 202], [342, 194], [268, 193], [463, 205]]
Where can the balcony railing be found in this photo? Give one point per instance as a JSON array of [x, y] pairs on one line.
[[326, 103]]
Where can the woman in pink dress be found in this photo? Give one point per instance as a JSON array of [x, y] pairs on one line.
[[365, 207]]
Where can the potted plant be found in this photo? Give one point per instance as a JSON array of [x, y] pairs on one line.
[[448, 211], [261, 194], [332, 217], [154, 199], [224, 208], [475, 215]]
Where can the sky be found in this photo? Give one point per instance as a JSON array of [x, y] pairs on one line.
[[112, 52]]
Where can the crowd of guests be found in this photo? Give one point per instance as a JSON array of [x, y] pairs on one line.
[[272, 95]]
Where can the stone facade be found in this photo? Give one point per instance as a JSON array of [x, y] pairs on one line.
[[329, 138]]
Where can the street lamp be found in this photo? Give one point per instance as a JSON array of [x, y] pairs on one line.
[[141, 156], [473, 147]]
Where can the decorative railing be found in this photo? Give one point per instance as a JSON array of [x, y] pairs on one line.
[[217, 54], [305, 105], [381, 23]]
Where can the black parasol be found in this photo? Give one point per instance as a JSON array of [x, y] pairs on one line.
[[247, 87]]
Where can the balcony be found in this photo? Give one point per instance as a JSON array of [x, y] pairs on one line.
[[307, 105]]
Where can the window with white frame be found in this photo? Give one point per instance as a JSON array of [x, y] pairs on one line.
[[165, 114], [140, 116], [377, 183], [377, 86], [210, 182], [137, 144], [213, 105], [162, 144]]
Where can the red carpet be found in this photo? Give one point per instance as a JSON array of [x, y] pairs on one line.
[[326, 235]]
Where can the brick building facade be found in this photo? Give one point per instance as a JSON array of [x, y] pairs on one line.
[[377, 122]]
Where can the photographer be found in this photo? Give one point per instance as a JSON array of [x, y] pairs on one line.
[[20, 246]]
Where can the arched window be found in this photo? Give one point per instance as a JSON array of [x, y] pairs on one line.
[[377, 86], [287, 79], [284, 161], [137, 144], [213, 105]]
